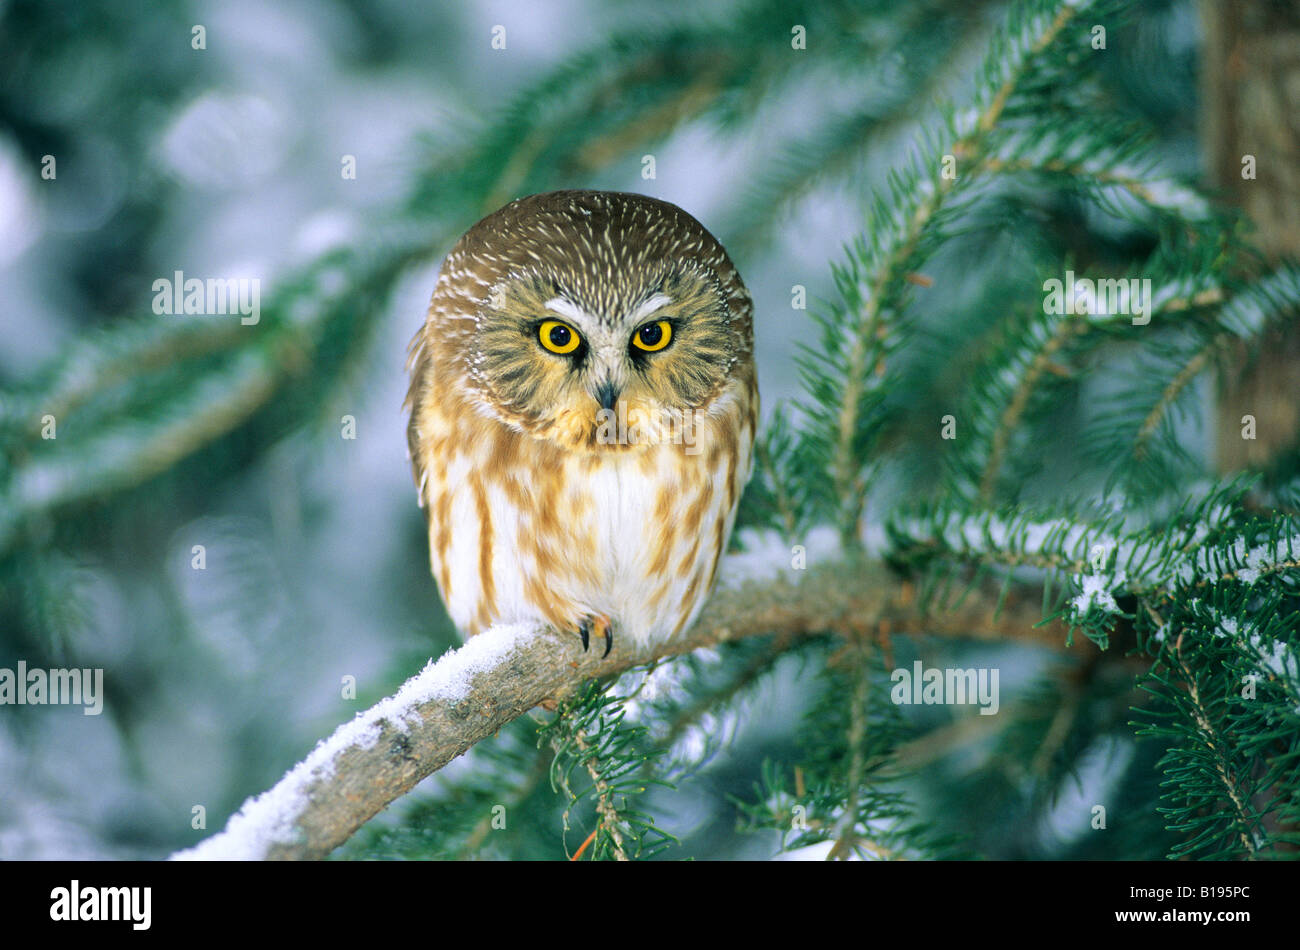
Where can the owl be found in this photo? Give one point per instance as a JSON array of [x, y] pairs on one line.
[[582, 405]]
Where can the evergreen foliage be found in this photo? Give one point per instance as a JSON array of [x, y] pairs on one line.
[[1078, 472]]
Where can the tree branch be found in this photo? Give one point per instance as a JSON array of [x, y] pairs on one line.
[[499, 675]]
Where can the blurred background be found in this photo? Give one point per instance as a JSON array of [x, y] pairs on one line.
[[231, 160]]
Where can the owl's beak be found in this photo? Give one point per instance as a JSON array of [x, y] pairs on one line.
[[607, 395]]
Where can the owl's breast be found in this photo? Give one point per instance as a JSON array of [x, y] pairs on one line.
[[521, 532]]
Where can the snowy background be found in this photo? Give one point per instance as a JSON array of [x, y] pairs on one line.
[[226, 161]]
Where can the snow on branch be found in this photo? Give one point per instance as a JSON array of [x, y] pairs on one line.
[[471, 692]]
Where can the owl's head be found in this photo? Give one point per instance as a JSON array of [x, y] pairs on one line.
[[592, 307]]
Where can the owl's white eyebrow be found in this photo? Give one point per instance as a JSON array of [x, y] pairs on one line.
[[650, 306], [566, 308]]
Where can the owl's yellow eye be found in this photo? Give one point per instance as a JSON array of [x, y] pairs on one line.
[[653, 336], [558, 337]]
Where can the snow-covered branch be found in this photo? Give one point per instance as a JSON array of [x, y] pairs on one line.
[[470, 693]]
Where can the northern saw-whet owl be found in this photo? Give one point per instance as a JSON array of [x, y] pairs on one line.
[[583, 403]]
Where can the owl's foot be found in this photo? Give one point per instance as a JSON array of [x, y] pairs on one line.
[[600, 625]]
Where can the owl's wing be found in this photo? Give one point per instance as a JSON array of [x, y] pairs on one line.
[[418, 366]]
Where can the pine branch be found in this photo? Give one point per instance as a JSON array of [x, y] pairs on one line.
[[630, 89], [468, 815], [845, 793], [469, 694], [1038, 354], [1216, 744], [591, 733], [1134, 425], [847, 833], [1100, 154], [146, 395], [846, 381], [833, 151]]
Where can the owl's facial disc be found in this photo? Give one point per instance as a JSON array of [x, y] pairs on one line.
[[560, 368]]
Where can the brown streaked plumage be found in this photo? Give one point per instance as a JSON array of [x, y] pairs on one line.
[[583, 404]]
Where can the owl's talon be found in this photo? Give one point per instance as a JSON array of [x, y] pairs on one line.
[[601, 624]]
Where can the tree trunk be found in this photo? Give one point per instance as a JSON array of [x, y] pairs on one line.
[[1250, 86]]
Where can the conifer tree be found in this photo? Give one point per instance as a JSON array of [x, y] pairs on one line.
[[996, 461]]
